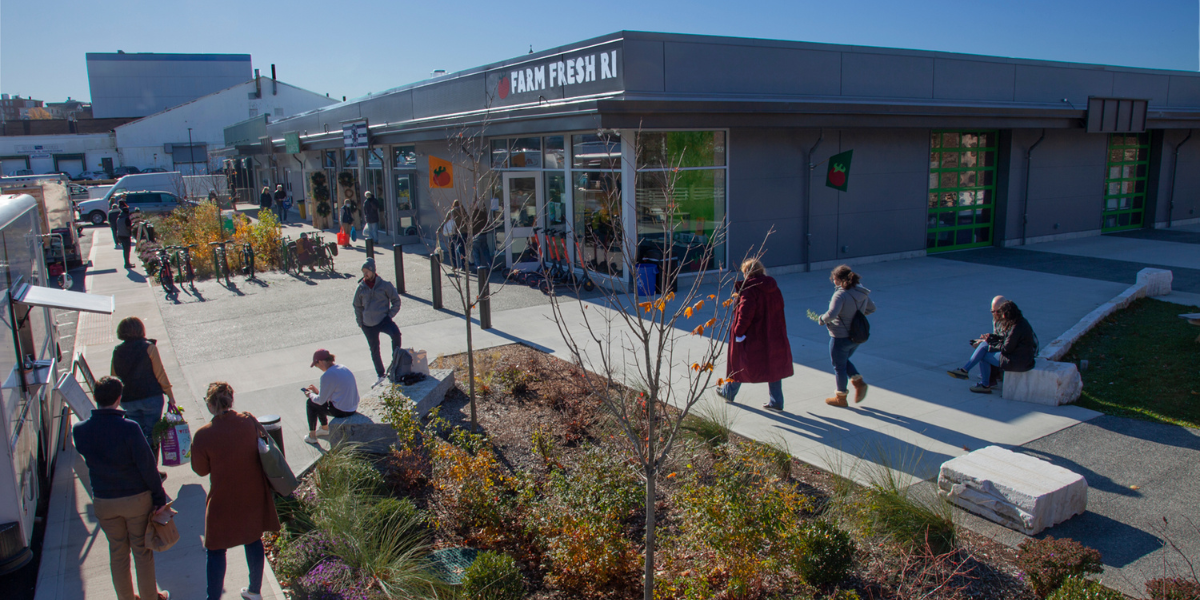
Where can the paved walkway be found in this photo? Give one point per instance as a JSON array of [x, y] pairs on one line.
[[260, 338]]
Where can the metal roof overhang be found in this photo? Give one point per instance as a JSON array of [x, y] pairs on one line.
[[36, 295]]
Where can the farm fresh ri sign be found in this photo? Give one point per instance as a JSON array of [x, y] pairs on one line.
[[594, 70]]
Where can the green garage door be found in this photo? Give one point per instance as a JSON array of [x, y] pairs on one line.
[[962, 189], [1125, 181]]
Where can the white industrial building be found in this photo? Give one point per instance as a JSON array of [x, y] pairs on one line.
[[164, 139], [72, 153]]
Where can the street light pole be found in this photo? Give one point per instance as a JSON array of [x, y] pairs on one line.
[[191, 152]]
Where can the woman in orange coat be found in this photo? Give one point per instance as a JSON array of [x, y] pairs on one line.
[[240, 505]]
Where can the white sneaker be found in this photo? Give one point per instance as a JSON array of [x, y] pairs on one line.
[[379, 382], [309, 439], [249, 595], [323, 432]]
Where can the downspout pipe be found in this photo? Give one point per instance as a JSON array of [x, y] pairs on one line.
[[1028, 174], [808, 205], [1174, 178]]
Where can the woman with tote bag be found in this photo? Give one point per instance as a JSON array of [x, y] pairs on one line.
[[240, 505]]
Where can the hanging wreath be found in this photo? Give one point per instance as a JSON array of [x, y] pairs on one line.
[[323, 209], [317, 178], [346, 179]]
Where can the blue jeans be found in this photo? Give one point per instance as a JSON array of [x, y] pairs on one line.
[[255, 557], [145, 412], [481, 251], [774, 392], [281, 210], [840, 351], [987, 360]]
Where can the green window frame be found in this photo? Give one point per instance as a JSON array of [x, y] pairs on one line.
[[962, 189], [1125, 182]]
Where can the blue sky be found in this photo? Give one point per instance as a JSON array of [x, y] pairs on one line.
[[351, 47]]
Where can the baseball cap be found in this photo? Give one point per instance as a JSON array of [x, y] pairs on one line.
[[320, 355]]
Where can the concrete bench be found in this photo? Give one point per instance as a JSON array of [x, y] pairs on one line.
[[1050, 383], [366, 427], [1015, 490]]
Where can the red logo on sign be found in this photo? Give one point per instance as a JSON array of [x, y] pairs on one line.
[[503, 87]]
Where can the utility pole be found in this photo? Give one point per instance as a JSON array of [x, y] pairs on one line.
[[191, 153]]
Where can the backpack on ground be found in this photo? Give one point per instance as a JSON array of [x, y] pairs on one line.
[[860, 328]]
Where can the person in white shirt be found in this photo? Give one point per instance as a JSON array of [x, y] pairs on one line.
[[337, 397]]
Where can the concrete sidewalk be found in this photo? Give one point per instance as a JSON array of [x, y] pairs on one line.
[[75, 561]]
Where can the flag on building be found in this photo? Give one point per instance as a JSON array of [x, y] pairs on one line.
[[838, 175], [441, 173]]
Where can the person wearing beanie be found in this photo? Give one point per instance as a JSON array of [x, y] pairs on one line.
[[370, 207], [376, 302]]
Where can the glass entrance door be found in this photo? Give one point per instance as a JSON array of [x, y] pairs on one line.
[[404, 209], [962, 187], [523, 210]]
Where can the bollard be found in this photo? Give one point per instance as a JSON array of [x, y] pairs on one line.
[[272, 424], [485, 302], [398, 254], [435, 274], [370, 248]]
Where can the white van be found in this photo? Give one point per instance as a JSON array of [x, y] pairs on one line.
[[96, 211]]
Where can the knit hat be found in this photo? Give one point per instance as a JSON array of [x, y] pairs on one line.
[[370, 265]]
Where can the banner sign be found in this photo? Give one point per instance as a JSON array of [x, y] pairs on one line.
[[291, 142], [441, 173], [838, 175], [355, 135], [595, 70]]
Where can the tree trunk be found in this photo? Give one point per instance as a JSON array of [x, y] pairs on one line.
[[648, 589], [470, 350]]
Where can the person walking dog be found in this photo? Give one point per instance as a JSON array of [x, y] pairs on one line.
[[240, 505], [759, 351], [848, 299], [126, 489], [376, 302]]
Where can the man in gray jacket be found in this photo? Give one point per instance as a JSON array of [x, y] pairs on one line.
[[375, 303]]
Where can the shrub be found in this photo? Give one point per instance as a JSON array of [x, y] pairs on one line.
[[734, 533], [331, 580], [709, 425], [515, 380], [1173, 588], [302, 553], [400, 412], [1048, 562], [828, 554], [202, 224], [1077, 588], [493, 576], [581, 525], [468, 488]]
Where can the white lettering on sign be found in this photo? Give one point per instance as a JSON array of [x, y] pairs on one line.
[[562, 73]]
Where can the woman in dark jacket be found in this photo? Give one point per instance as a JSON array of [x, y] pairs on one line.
[[135, 361], [759, 351], [1014, 349], [848, 299], [264, 201], [347, 220], [240, 505]]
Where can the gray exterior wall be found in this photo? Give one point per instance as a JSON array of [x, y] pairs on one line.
[[1185, 189], [1066, 188], [137, 85]]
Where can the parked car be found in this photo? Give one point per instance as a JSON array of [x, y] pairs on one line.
[[20, 173], [123, 171], [96, 211], [93, 176], [78, 192], [154, 170]]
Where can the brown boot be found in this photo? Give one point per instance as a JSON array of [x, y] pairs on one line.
[[838, 400], [860, 388]]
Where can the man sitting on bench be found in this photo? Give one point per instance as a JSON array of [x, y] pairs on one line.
[[337, 398]]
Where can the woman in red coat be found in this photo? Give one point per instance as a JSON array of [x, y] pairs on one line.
[[759, 351], [240, 506]]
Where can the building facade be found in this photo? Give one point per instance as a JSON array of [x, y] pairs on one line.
[[145, 83], [950, 151]]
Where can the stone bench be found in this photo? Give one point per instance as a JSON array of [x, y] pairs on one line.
[[366, 427], [1050, 383], [1015, 490]]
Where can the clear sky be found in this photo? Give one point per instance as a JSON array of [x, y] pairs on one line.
[[352, 47]]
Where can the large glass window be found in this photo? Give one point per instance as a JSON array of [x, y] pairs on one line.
[[556, 200], [681, 149], [350, 159], [1125, 181], [680, 198], [598, 225], [555, 153], [962, 189], [330, 159], [375, 158], [591, 151], [404, 157]]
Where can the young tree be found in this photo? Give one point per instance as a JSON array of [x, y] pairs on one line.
[[653, 359]]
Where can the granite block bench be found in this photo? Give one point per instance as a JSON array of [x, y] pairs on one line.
[[1048, 382], [1018, 491], [366, 427]]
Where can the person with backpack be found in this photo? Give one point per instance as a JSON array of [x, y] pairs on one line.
[[759, 351], [846, 321], [376, 302]]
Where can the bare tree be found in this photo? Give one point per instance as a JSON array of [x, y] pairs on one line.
[[654, 359]]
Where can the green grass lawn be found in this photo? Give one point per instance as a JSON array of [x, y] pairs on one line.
[[1142, 364]]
